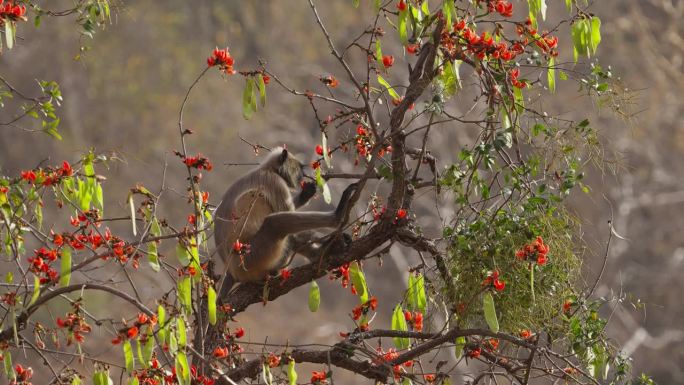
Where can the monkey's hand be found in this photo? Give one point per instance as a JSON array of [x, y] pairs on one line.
[[308, 191], [338, 245], [344, 200]]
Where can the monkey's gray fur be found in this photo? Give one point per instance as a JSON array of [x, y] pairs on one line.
[[259, 210]]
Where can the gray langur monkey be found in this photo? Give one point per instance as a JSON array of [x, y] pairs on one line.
[[256, 224]]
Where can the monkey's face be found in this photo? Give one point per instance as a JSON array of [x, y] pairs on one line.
[[291, 169]]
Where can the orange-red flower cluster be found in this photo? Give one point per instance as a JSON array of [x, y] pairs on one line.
[[502, 7], [536, 250], [23, 375], [76, 327], [222, 58], [514, 74], [414, 319], [49, 176], [198, 161], [492, 280], [329, 81], [371, 304], [319, 377], [12, 11], [40, 264], [341, 272]]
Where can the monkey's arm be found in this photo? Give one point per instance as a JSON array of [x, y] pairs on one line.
[[308, 191]]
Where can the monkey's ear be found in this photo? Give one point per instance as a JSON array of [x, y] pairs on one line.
[[283, 156]]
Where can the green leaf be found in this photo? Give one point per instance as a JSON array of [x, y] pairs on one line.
[[182, 254], [490, 312], [291, 372], [76, 380], [133, 381], [182, 333], [356, 3], [148, 349], [65, 267], [425, 8], [595, 33], [389, 88], [403, 33], [376, 5], [153, 256], [399, 323], [9, 34], [568, 5], [161, 318], [262, 89], [459, 345], [185, 294], [131, 204], [378, 55], [324, 144], [319, 178], [266, 374], [359, 281], [36, 290], [562, 75], [9, 369], [182, 369], [327, 197], [551, 75], [128, 356], [247, 94], [410, 293], [99, 197], [211, 305], [421, 299], [314, 297]]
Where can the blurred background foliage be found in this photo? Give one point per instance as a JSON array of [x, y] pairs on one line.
[[122, 91]]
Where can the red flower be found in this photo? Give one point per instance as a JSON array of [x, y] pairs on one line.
[[373, 302], [566, 306], [460, 26], [408, 315], [356, 313], [499, 285], [474, 353], [361, 131], [412, 48], [429, 378], [117, 340], [143, 318], [237, 246], [66, 169], [319, 378], [319, 150], [239, 333], [387, 60], [401, 213], [267, 79], [525, 334], [221, 58], [315, 165], [273, 360], [418, 321], [29, 176], [220, 352], [402, 5], [132, 332], [285, 274]]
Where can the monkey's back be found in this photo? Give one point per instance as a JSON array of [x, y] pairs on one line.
[[241, 213]]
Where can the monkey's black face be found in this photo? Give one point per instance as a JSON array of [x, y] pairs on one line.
[[291, 170]]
